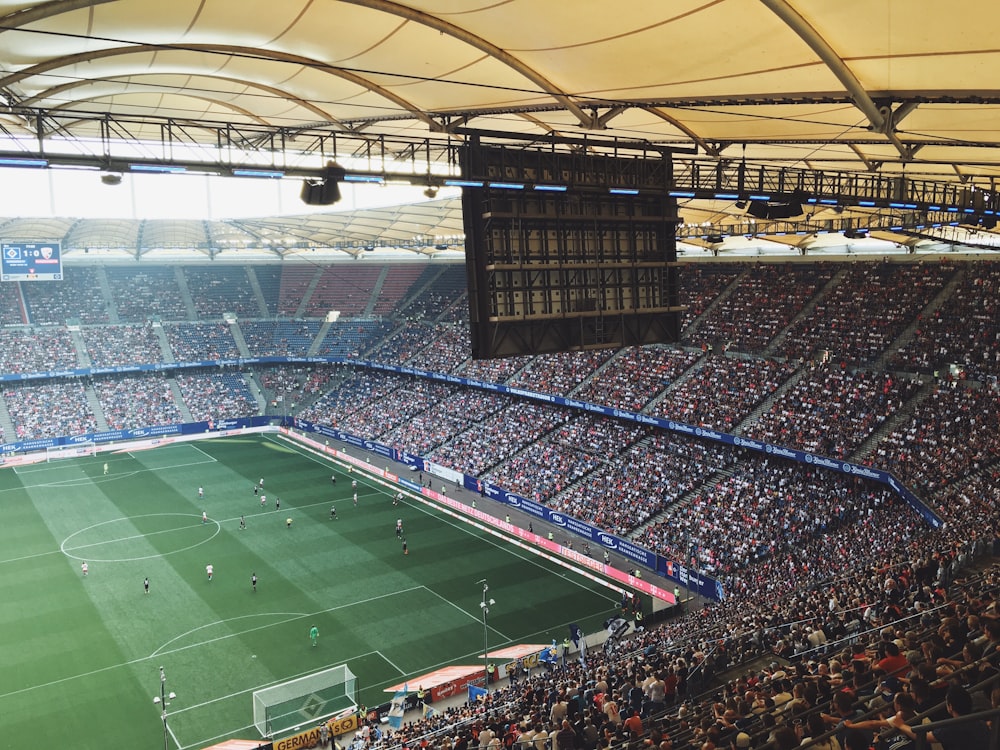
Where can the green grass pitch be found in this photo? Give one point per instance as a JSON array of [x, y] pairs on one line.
[[80, 656]]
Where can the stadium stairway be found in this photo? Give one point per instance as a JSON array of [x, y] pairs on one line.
[[5, 421], [161, 337], [258, 293], [82, 356], [768, 402], [806, 310], [594, 375], [186, 298], [649, 408], [241, 342], [693, 326], [179, 400], [318, 341], [370, 306], [904, 338], [899, 418], [95, 405], [109, 297]]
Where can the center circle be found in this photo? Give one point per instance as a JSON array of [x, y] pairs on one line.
[[159, 524]]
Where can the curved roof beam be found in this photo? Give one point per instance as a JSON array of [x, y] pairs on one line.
[[37, 13], [226, 105], [709, 149], [386, 6], [257, 52], [274, 91], [862, 100]]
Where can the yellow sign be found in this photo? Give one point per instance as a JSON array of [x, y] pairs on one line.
[[310, 737]]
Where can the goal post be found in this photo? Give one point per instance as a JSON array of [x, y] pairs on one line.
[[304, 700], [76, 450]]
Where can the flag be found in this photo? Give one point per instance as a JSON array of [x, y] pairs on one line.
[[476, 693], [575, 634], [397, 706], [430, 711]]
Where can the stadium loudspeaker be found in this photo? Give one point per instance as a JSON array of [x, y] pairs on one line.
[[324, 192], [775, 209]]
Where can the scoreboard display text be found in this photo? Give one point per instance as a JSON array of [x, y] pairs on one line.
[[31, 261]]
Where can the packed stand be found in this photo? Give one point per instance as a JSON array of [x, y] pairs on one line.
[[201, 342], [560, 373], [636, 376], [634, 485], [215, 396], [37, 350], [279, 338], [12, 310], [374, 417], [49, 410], [831, 410], [769, 508], [118, 346], [951, 434], [866, 311], [352, 338], [357, 389], [550, 465], [403, 343], [137, 401], [449, 348], [703, 283], [442, 421], [498, 436], [437, 290], [722, 391], [78, 296], [765, 300], [141, 294], [493, 370], [964, 330], [296, 383], [221, 289]]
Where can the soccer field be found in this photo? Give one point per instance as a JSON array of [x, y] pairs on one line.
[[81, 655]]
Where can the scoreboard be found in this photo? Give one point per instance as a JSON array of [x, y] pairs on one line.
[[30, 261]]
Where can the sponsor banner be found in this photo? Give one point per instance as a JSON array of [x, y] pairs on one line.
[[444, 472], [456, 686], [310, 737], [528, 661]]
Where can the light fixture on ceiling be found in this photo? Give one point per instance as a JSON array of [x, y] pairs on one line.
[[431, 192], [111, 178]]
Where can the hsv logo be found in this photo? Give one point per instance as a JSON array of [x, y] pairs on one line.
[[13, 253]]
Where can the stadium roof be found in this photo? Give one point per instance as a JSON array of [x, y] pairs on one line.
[[870, 86]]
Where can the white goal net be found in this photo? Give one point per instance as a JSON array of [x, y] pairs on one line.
[[305, 700]]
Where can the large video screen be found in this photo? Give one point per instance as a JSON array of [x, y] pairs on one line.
[[31, 261]]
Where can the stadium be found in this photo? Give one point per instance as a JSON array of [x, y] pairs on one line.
[[422, 376]]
